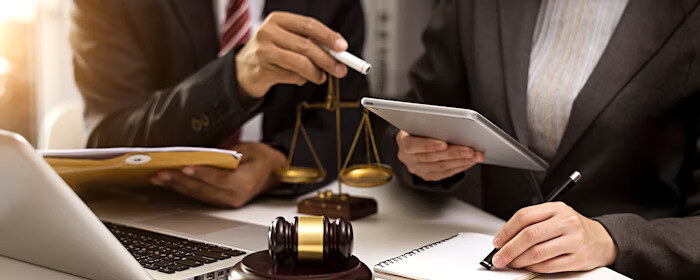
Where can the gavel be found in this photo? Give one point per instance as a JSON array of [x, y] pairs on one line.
[[312, 239]]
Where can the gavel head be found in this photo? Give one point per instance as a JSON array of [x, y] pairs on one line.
[[310, 240]]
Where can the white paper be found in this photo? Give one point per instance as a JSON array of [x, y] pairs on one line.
[[455, 258], [113, 152]]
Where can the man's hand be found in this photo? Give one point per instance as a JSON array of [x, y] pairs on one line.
[[227, 188], [285, 50], [553, 237], [434, 160]]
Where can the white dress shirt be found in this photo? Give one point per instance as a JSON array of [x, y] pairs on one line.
[[255, 8], [251, 131]]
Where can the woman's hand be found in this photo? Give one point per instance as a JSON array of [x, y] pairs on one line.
[[434, 160], [553, 237]]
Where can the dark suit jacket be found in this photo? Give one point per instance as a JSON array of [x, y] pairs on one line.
[[633, 131], [149, 74]]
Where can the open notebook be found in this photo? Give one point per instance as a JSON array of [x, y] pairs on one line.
[[457, 257]]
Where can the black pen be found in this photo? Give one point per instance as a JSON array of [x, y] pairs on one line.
[[553, 196]]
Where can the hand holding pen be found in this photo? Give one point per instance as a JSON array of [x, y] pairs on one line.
[[552, 237], [292, 49]]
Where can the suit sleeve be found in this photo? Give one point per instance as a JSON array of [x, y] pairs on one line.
[[122, 107], [435, 78], [666, 248]]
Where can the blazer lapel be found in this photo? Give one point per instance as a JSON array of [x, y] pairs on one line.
[[199, 22], [517, 19], [643, 29]]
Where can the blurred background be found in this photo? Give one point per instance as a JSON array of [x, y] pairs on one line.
[[39, 99]]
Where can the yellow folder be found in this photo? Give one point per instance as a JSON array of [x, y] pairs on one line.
[[131, 166]]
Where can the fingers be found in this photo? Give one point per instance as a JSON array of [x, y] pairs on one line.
[[437, 176], [556, 264], [553, 237], [196, 189], [311, 28], [297, 63], [284, 76], [435, 171], [434, 160], [287, 50], [543, 251], [210, 175], [308, 48], [445, 165], [526, 239], [255, 72], [524, 218], [413, 145], [452, 152]]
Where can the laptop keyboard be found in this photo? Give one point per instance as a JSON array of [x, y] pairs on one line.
[[166, 253]]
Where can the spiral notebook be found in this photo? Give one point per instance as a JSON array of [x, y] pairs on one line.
[[456, 257]]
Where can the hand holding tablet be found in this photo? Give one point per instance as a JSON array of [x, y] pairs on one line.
[[432, 159], [437, 142]]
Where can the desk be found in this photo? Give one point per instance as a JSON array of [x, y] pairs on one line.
[[406, 220]]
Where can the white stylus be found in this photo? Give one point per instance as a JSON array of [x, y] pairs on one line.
[[350, 60]]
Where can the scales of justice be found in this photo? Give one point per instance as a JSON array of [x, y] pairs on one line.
[[372, 173]]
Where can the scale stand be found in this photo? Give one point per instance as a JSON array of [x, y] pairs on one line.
[[334, 205], [370, 174]]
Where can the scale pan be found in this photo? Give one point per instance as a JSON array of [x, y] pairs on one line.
[[300, 175], [366, 175]]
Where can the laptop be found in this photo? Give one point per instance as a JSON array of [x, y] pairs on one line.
[[45, 223]]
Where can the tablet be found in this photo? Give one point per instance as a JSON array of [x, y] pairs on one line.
[[457, 126]]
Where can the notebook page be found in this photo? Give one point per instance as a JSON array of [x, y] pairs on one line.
[[457, 257]]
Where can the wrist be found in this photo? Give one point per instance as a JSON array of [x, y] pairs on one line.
[[609, 249], [277, 159], [274, 161], [248, 86], [270, 157]]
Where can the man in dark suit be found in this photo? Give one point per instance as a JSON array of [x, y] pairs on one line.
[[191, 73], [609, 88]]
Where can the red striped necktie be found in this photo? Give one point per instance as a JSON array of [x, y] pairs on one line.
[[237, 26], [236, 31]]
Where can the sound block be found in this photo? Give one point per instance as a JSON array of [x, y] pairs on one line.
[[338, 205], [259, 265]]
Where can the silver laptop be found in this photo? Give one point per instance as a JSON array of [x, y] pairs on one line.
[[43, 222]]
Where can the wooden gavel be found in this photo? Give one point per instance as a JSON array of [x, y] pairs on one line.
[[312, 239]]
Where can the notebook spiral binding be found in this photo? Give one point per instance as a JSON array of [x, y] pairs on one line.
[[412, 252]]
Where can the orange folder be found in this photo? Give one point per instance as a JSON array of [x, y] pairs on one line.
[[131, 166]]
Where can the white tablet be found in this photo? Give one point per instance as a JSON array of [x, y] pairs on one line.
[[457, 126]]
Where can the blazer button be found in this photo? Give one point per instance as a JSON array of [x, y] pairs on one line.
[[196, 125], [205, 120], [200, 123]]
